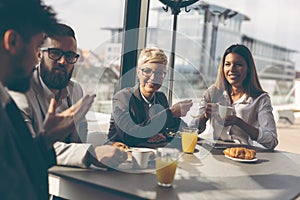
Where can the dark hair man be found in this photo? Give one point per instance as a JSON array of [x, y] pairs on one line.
[[24, 161], [52, 79]]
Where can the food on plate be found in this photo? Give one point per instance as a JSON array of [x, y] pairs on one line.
[[121, 146], [240, 152]]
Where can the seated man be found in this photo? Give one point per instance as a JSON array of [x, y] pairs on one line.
[[24, 161], [52, 79], [141, 115]]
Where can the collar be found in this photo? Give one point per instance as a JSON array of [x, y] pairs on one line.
[[4, 96], [146, 100], [245, 99]]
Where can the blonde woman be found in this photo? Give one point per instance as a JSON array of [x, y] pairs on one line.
[[141, 114], [237, 85]]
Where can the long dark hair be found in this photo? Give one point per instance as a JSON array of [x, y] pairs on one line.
[[251, 83]]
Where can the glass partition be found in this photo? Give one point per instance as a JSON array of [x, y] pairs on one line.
[[268, 28]]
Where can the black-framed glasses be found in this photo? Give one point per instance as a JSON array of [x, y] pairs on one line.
[[56, 54], [147, 72]]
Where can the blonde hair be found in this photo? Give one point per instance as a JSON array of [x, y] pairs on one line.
[[152, 55]]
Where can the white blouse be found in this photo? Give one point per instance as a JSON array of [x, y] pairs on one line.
[[256, 112]]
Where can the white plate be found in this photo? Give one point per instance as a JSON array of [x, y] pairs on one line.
[[127, 167], [141, 149], [241, 160]]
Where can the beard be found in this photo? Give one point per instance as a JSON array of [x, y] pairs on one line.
[[18, 84], [18, 78], [54, 80], [17, 81]]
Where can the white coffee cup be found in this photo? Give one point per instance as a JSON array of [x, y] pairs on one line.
[[140, 157], [225, 110]]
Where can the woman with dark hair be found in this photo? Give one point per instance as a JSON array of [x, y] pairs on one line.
[[237, 85]]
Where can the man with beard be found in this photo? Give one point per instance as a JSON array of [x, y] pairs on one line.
[[24, 161], [52, 79]]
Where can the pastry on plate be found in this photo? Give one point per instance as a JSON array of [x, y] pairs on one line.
[[121, 146], [240, 152]]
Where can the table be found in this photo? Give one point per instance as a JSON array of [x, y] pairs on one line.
[[206, 174]]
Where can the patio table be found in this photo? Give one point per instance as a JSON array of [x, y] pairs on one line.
[[206, 174]]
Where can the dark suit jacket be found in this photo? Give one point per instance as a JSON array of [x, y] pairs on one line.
[[24, 161], [133, 122]]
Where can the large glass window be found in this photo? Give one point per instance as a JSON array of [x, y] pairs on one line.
[[98, 27], [267, 28]]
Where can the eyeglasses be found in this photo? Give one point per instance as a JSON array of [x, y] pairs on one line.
[[56, 54], [147, 72]]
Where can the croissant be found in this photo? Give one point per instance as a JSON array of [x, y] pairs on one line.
[[121, 146], [240, 152]]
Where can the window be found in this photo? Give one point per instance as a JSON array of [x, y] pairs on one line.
[[199, 46], [98, 30]]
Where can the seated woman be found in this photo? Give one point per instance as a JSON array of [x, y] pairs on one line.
[[237, 85], [141, 114]]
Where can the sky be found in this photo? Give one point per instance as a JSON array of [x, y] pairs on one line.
[[87, 17], [274, 21]]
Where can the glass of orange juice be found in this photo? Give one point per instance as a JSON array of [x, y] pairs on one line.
[[166, 164], [189, 137]]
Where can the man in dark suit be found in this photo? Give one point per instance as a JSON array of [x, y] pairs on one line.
[[24, 161]]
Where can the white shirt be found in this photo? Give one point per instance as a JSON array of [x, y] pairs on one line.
[[5, 99], [34, 106], [256, 112]]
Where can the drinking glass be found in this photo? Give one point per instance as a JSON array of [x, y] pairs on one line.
[[189, 137], [166, 164]]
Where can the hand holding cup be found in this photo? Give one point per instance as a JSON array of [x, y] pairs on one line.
[[225, 111], [211, 109]]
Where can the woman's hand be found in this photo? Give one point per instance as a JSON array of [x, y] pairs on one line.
[[157, 138], [181, 108], [211, 109], [228, 120], [232, 120], [249, 129]]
